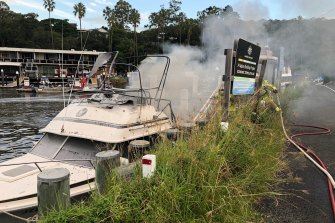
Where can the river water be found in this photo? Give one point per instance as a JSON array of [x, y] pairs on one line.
[[21, 116]]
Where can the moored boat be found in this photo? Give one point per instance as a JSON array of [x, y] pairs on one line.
[[108, 120]]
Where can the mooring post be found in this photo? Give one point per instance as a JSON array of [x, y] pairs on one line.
[[106, 161], [227, 85], [137, 148], [17, 79], [53, 190], [201, 123], [2, 77], [187, 128], [172, 134]]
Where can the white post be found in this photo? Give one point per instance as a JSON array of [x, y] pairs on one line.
[[148, 165]]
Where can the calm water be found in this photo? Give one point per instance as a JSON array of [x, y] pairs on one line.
[[21, 116]]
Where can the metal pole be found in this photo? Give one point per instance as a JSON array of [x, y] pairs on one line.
[[17, 79], [227, 86]]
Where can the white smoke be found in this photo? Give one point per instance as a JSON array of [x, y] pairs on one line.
[[190, 80], [251, 9], [196, 72]]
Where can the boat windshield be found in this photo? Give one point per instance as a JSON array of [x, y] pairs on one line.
[[56, 147]]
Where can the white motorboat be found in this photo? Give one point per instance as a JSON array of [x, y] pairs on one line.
[[106, 120]]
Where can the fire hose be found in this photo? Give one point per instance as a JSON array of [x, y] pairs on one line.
[[310, 154]]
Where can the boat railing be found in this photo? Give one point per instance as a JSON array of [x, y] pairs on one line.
[[150, 100], [49, 161]]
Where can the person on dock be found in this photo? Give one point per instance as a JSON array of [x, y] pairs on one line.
[[82, 81]]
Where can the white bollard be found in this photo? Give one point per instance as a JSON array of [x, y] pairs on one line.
[[224, 126], [148, 165]]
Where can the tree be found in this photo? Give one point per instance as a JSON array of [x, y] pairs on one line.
[[109, 16], [174, 6], [211, 10], [135, 18], [80, 10], [122, 11], [4, 6], [228, 11], [160, 20], [180, 20], [190, 24], [50, 6], [176, 18]]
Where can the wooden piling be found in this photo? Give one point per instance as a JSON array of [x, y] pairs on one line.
[[172, 134], [137, 149], [187, 128], [106, 161], [201, 123], [53, 190]]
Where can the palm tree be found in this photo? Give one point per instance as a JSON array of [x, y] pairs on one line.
[[109, 16], [4, 6], [50, 6], [80, 10], [135, 18]]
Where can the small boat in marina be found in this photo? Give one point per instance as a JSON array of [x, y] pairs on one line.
[[108, 120], [27, 87]]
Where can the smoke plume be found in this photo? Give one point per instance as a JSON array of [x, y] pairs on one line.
[[195, 72]]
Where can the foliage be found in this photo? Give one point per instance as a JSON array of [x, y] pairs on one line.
[[50, 6], [122, 11], [119, 81], [80, 10], [217, 11], [4, 6], [211, 176]]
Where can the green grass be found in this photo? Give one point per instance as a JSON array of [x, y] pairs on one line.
[[289, 94], [210, 177]]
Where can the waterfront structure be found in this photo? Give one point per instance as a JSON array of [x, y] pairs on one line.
[[35, 63]]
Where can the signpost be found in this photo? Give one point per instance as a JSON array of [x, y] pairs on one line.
[[242, 65], [245, 67]]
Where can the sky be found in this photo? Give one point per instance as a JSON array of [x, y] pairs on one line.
[[248, 9]]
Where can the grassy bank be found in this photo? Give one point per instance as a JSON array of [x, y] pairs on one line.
[[210, 177]]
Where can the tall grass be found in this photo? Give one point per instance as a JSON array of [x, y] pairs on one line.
[[211, 176]]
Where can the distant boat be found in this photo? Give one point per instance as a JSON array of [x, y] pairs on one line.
[[50, 90], [27, 87], [107, 120]]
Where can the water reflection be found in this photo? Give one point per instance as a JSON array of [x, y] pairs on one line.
[[21, 116]]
